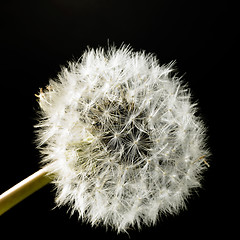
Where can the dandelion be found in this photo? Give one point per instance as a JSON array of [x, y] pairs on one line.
[[121, 136]]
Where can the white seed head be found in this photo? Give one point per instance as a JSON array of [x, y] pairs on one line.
[[122, 137]]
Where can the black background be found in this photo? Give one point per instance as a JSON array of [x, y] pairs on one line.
[[37, 37]]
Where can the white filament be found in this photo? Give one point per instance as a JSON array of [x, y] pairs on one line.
[[122, 138]]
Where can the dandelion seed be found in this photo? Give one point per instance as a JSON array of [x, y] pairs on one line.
[[120, 134]]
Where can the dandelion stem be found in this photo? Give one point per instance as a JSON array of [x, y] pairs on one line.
[[23, 189]]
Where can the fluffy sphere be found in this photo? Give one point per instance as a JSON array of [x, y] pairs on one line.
[[121, 136]]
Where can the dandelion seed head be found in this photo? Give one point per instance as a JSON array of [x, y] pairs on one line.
[[120, 134]]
